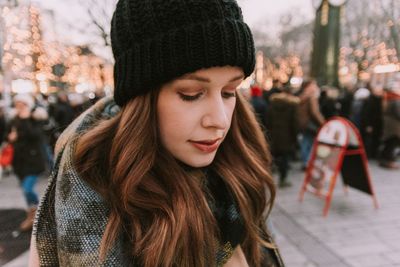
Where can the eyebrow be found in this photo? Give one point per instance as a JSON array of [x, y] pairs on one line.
[[206, 80]]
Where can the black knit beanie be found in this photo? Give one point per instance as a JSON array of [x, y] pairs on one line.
[[156, 41]]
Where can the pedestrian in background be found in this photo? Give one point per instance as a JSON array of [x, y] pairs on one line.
[[371, 125], [391, 131], [29, 160], [62, 114], [357, 106], [310, 118], [3, 123], [175, 172], [283, 128], [259, 105], [276, 88], [5, 148], [328, 102]]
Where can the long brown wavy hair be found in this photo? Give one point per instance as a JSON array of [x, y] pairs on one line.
[[158, 203]]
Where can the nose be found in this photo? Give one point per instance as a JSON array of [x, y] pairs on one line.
[[215, 114]]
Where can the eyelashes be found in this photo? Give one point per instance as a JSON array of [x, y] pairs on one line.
[[191, 98], [228, 94]]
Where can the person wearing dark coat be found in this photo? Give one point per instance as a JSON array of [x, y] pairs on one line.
[[345, 101], [276, 88], [391, 131], [328, 104], [371, 125], [63, 114], [29, 159], [3, 125], [282, 126], [259, 105]]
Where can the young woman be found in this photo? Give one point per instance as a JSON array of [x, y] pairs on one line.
[[28, 162], [174, 170]]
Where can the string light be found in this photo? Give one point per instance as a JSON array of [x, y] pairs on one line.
[[28, 57], [280, 68]]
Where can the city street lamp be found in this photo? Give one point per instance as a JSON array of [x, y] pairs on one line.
[[325, 55]]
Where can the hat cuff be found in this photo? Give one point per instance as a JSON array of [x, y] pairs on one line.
[[147, 65]]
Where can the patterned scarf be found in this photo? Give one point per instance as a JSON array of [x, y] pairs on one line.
[[71, 219]]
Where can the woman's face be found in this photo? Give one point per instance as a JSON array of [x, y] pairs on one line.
[[195, 113]]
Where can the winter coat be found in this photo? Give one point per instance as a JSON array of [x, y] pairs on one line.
[[282, 122], [260, 109], [29, 155], [371, 116], [328, 106], [392, 119], [3, 128], [63, 115], [309, 115]]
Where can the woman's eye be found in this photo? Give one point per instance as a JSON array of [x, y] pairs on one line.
[[190, 97], [228, 94]]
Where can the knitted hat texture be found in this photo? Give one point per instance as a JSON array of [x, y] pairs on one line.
[[156, 41]]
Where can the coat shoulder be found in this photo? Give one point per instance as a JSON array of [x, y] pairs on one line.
[[285, 97]]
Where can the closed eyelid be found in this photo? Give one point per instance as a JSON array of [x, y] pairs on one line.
[[190, 92], [189, 97], [229, 94]]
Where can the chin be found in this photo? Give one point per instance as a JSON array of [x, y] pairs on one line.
[[198, 162]]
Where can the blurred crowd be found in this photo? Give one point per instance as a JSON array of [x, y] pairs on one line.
[[291, 119], [29, 130]]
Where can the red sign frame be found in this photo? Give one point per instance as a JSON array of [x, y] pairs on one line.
[[345, 153]]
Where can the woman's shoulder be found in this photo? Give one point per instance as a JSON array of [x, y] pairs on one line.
[[69, 182], [72, 214], [71, 219]]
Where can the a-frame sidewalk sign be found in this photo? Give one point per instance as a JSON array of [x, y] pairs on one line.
[[338, 147]]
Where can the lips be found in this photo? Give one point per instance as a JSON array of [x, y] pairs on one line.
[[206, 146]]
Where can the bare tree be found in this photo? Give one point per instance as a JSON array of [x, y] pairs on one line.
[[296, 39], [391, 10], [95, 26], [368, 24], [290, 36], [100, 13]]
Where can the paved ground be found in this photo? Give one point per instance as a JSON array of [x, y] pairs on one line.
[[353, 235], [11, 198]]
